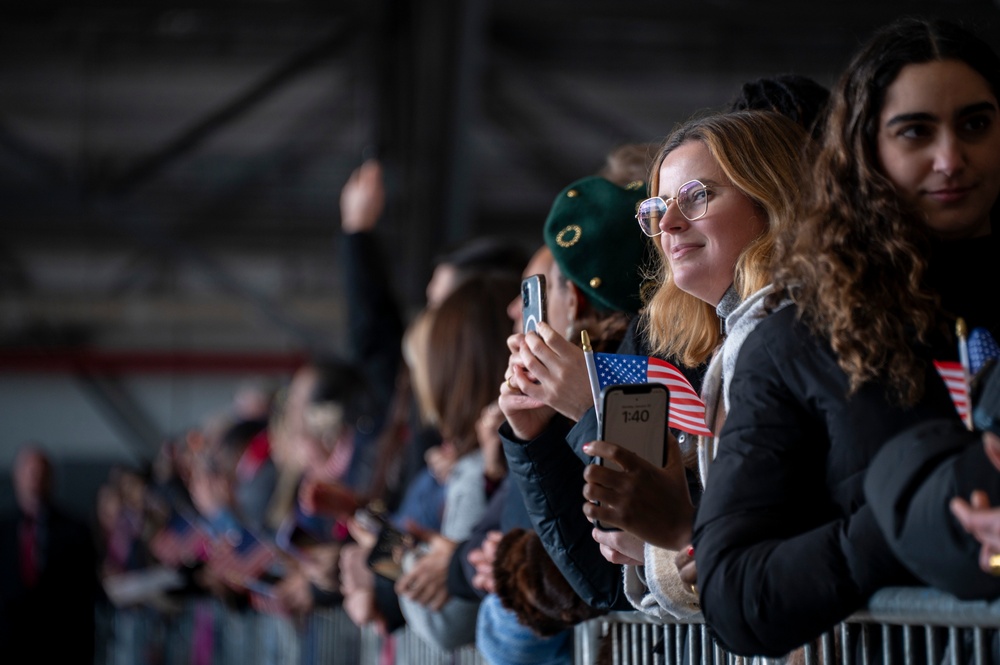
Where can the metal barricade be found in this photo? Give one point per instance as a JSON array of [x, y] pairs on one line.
[[909, 626], [406, 648], [904, 626], [207, 632]]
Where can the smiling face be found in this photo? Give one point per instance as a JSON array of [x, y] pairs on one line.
[[702, 254], [939, 144]]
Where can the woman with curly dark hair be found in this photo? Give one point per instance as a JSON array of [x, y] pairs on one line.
[[894, 233]]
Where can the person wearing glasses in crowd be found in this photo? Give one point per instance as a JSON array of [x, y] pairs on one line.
[[726, 185], [557, 511], [894, 230]]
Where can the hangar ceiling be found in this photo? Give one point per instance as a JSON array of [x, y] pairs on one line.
[[170, 172]]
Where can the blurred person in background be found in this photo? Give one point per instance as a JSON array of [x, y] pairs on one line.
[[448, 350], [401, 484], [799, 98], [48, 572], [127, 516], [376, 323], [457, 368]]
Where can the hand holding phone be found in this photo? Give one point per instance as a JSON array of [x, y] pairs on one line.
[[386, 558], [533, 305], [635, 418]]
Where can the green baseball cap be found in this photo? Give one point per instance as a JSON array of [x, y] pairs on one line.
[[598, 245]]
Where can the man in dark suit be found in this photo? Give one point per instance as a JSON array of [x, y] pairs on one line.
[[48, 576]]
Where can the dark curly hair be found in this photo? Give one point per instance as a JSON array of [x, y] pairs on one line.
[[856, 264], [798, 98], [529, 584]]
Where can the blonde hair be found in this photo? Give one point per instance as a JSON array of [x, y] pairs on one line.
[[415, 355], [760, 153]]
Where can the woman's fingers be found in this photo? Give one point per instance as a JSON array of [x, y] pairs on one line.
[[612, 452]]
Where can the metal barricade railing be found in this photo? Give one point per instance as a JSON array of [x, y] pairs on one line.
[[905, 626], [206, 632], [909, 626]]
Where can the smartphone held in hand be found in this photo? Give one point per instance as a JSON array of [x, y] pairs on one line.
[[533, 308], [386, 558], [635, 418]]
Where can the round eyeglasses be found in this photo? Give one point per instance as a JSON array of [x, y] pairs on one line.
[[691, 200]]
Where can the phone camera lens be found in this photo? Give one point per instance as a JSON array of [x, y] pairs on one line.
[[524, 295]]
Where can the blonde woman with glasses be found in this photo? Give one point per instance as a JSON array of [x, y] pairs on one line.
[[725, 184]]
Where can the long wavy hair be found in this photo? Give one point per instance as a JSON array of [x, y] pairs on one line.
[[760, 153], [856, 263]]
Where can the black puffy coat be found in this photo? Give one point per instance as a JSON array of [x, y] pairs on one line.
[[785, 545], [549, 472], [909, 486]]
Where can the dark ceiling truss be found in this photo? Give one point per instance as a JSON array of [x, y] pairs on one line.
[[557, 83], [244, 103], [114, 203], [542, 96], [230, 216], [45, 166]]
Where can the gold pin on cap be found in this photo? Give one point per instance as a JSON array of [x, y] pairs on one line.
[[569, 236]]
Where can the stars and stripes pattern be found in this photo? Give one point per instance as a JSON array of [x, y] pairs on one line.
[[180, 541], [687, 410], [955, 378], [982, 347], [339, 461], [240, 557]]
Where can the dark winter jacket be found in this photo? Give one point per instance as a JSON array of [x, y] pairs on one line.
[[909, 486], [548, 471], [785, 542], [785, 545]]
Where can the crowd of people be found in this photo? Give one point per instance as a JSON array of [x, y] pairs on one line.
[[800, 259]]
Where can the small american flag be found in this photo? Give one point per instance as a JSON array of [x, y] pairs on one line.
[[339, 461], [687, 411], [239, 557], [958, 384], [179, 541]]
